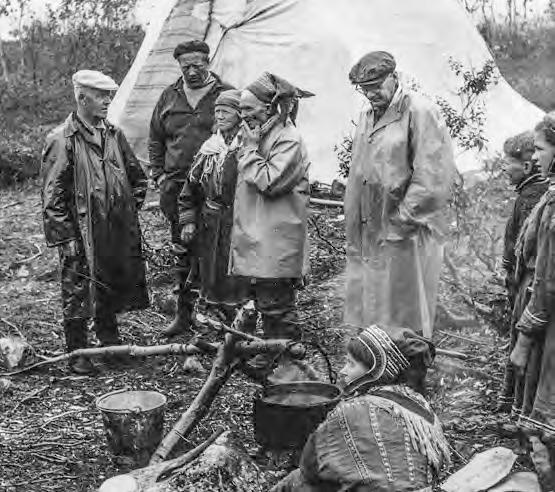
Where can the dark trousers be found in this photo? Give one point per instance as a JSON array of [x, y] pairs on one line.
[[276, 300], [78, 304], [184, 265]]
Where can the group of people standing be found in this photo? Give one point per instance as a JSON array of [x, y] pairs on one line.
[[232, 170], [528, 391]]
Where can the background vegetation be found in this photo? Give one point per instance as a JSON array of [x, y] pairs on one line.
[[35, 78]]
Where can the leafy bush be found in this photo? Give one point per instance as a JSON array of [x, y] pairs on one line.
[[466, 126], [40, 94]]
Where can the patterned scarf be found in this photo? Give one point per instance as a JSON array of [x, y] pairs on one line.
[[210, 160]]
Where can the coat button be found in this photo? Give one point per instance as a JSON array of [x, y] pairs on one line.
[[363, 221], [364, 181]]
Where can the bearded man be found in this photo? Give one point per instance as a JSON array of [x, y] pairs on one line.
[[396, 202], [182, 121], [93, 187]]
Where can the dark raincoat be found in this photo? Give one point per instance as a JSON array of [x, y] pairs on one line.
[[91, 194]]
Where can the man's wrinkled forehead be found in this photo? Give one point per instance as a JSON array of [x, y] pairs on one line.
[[249, 100], [195, 57]]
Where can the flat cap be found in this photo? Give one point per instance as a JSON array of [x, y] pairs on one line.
[[372, 67], [194, 46], [94, 79]]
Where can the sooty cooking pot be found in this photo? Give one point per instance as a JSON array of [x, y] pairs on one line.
[[286, 414]]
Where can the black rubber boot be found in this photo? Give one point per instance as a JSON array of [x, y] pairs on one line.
[[106, 329], [76, 338], [181, 323]]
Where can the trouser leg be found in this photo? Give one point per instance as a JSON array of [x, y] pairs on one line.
[[105, 324], [183, 262], [276, 301], [75, 292]]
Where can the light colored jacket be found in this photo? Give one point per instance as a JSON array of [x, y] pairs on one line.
[[401, 174], [395, 210], [271, 206]]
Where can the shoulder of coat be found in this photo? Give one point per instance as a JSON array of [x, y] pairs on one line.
[[289, 132], [420, 103], [549, 210], [57, 134], [114, 128]]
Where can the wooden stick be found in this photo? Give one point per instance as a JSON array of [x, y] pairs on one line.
[[466, 339], [315, 201], [451, 353], [328, 203], [132, 350], [222, 368], [148, 476]]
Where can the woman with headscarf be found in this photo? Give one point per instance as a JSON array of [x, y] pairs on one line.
[[383, 436], [206, 209], [533, 355], [271, 205]]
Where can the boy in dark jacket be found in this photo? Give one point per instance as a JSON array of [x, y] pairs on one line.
[[530, 186]]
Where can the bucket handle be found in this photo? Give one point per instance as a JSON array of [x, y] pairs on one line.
[[115, 392], [332, 373]]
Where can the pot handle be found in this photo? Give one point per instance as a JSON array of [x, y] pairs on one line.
[[332, 373]]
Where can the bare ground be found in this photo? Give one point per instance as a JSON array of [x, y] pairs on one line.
[[51, 435]]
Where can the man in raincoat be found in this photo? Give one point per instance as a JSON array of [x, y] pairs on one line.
[[395, 203], [92, 189], [268, 238]]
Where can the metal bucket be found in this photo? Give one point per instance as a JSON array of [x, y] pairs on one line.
[[286, 414], [133, 422]]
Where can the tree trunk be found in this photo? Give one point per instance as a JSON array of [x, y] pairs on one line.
[[4, 64]]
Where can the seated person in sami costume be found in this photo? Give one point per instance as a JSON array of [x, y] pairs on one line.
[[383, 436]]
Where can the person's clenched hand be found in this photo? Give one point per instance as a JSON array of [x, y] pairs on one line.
[[521, 353], [188, 233]]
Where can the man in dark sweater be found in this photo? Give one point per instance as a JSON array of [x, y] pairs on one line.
[[181, 121], [530, 186]]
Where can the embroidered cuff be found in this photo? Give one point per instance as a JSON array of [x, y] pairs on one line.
[[506, 263], [530, 322]]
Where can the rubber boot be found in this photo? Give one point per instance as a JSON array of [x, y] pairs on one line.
[[76, 338], [106, 329], [181, 323]]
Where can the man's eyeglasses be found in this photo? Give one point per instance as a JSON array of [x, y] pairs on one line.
[[366, 88]]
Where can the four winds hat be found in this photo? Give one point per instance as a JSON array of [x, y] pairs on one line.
[[94, 79]]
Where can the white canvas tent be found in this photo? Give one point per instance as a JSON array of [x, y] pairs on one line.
[[313, 43]]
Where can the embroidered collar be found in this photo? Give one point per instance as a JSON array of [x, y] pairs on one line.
[[534, 178]]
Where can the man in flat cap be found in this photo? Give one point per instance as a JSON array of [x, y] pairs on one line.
[[93, 187], [396, 201], [182, 121]]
